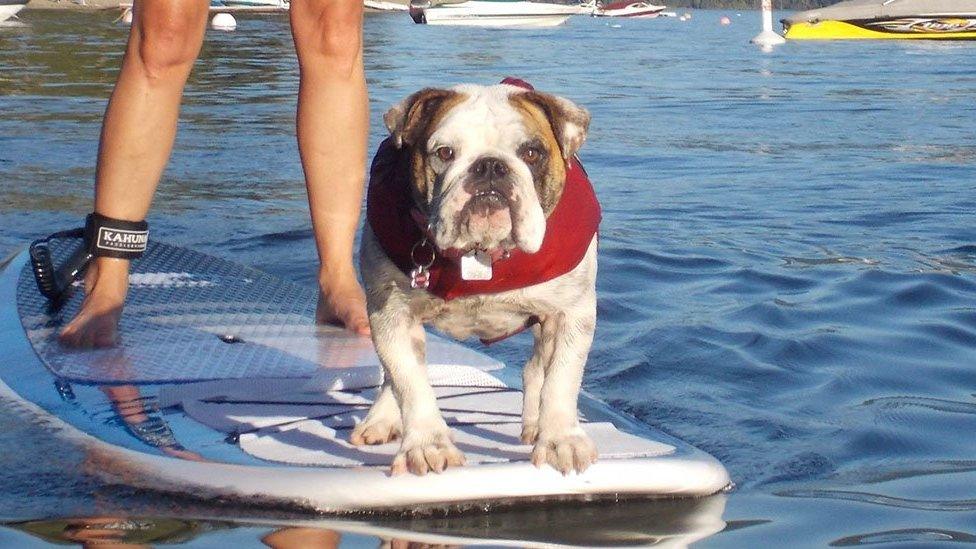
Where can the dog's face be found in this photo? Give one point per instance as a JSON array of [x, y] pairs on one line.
[[488, 163]]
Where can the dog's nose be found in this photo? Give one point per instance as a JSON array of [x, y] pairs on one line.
[[489, 167]]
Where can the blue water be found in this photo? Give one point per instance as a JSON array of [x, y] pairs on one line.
[[788, 252]]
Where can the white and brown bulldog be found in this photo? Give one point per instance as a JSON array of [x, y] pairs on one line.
[[480, 223]]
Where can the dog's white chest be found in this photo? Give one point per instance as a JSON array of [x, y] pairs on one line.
[[467, 317]]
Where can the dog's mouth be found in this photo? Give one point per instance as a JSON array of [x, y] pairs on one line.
[[485, 220], [487, 201]]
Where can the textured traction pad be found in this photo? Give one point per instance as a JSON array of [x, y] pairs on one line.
[[181, 307]]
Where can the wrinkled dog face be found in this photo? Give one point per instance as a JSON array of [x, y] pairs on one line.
[[488, 163]]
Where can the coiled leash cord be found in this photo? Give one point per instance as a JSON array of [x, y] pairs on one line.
[[54, 283]]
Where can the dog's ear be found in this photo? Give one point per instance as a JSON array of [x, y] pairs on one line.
[[408, 119], [568, 120]]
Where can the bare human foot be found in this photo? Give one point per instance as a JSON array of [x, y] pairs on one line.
[[97, 322], [342, 302]]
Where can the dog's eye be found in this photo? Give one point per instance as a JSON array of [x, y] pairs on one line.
[[531, 155], [446, 154]]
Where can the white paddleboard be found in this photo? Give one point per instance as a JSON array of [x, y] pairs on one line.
[[222, 386]]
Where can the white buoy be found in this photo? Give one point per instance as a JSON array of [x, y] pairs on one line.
[[767, 38], [224, 22]]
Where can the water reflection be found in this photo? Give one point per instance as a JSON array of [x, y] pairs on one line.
[[905, 535], [664, 523], [145, 422], [298, 538], [887, 501], [117, 532]]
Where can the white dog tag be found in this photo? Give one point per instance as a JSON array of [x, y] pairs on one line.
[[476, 265]]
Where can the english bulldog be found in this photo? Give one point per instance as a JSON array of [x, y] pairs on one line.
[[480, 223]]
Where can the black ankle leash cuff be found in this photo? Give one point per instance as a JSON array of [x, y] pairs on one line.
[[107, 237]]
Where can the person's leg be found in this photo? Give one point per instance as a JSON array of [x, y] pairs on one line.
[[136, 141], [333, 121]]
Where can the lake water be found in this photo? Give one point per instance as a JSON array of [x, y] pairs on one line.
[[788, 254]]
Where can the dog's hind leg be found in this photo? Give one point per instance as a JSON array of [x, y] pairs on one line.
[[382, 423], [562, 443], [426, 444], [532, 377]]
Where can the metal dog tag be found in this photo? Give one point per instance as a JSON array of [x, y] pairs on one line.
[[476, 265]]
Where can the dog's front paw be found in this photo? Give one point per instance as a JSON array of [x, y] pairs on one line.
[[565, 452], [376, 431], [382, 423], [427, 451]]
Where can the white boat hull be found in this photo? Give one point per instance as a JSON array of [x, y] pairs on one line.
[[9, 10], [633, 11], [631, 16], [502, 21], [278, 4], [383, 5], [476, 13]]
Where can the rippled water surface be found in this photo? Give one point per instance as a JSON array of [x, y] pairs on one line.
[[788, 252]]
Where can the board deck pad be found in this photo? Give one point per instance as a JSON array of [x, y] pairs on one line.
[[310, 427], [182, 309]]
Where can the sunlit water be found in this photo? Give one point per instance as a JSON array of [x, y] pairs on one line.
[[788, 252]]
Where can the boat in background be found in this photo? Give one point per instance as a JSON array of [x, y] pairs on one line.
[[492, 13], [886, 19], [628, 8], [267, 4], [9, 8], [386, 5]]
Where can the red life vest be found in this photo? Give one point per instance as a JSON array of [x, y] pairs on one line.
[[569, 229]]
